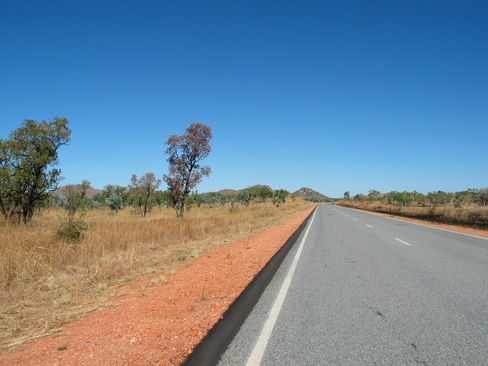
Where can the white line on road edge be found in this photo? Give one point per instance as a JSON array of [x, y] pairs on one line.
[[424, 225], [259, 348], [404, 242]]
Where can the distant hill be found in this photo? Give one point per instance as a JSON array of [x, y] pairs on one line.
[[301, 193], [228, 191], [233, 191], [309, 193], [61, 191]]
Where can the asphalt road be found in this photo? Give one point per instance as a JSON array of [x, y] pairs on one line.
[[362, 289]]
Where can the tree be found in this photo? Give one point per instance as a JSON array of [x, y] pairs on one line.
[[193, 199], [437, 198], [75, 201], [142, 191], [373, 195], [347, 195], [113, 190], [185, 153], [115, 202], [419, 197], [27, 159], [160, 198], [480, 195], [405, 198], [212, 198], [264, 194], [463, 197], [9, 199], [360, 197], [246, 196], [233, 200], [279, 196]]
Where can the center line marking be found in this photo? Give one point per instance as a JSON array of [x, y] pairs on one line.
[[404, 242], [368, 225]]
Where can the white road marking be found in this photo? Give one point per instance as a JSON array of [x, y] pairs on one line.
[[404, 242], [259, 348], [355, 219], [368, 225]]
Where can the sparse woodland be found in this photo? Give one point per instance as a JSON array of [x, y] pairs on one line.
[[467, 208], [63, 252]]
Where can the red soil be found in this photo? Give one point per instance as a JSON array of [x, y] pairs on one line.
[[162, 324]]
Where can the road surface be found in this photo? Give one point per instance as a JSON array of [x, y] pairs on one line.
[[363, 289]]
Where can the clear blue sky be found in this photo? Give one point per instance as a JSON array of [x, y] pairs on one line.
[[332, 95]]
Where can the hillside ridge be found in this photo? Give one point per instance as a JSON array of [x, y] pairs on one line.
[[305, 192], [228, 191]]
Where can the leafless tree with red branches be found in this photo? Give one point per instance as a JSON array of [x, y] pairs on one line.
[[185, 153]]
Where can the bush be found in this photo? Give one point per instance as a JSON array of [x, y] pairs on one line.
[[115, 202], [71, 230]]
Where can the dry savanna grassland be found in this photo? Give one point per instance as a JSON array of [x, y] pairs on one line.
[[469, 215], [46, 281]]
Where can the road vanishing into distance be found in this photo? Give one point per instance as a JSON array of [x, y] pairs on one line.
[[363, 289]]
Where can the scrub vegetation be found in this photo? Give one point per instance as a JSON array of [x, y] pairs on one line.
[[466, 208], [47, 280], [63, 251]]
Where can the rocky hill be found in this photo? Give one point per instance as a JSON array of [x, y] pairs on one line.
[[309, 193], [233, 191], [301, 193], [228, 191], [61, 191]]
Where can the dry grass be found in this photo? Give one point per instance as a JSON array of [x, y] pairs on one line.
[[469, 216], [46, 282]]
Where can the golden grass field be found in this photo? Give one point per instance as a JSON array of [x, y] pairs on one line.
[[46, 282], [469, 216]]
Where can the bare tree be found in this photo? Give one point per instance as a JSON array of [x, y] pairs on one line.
[[185, 153]]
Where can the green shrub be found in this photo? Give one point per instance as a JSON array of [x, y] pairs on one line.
[[71, 230]]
